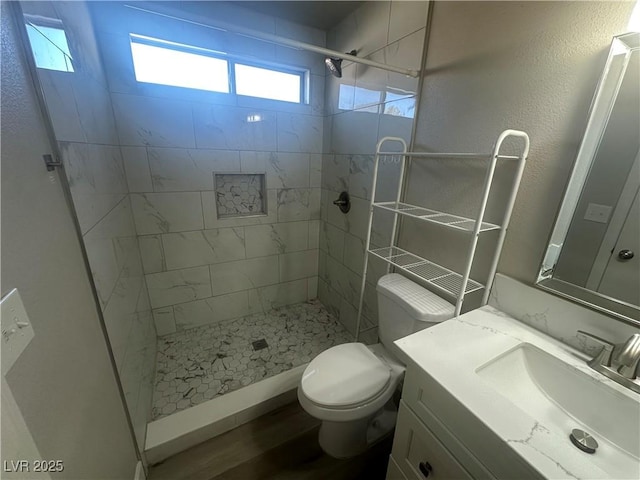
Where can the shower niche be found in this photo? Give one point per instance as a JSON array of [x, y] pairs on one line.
[[240, 194]]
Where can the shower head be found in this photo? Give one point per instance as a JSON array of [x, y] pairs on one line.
[[335, 64]]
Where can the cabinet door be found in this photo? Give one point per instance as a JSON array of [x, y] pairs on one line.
[[419, 454], [393, 471]]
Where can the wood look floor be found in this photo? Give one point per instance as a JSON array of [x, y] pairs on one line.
[[282, 445]]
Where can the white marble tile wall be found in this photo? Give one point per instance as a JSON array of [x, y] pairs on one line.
[[364, 105], [188, 170], [189, 249], [155, 122], [97, 180], [240, 275], [178, 286], [202, 265], [241, 270], [226, 127], [167, 212], [80, 108]]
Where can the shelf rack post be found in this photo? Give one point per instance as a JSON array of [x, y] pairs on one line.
[[370, 222], [522, 160]]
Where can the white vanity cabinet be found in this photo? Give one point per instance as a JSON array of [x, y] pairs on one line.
[[426, 447], [418, 454]]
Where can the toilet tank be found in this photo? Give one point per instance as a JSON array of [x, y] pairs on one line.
[[404, 307]]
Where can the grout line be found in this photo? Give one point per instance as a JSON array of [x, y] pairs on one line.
[[389, 23], [193, 124], [204, 221], [232, 293], [97, 144], [221, 227], [163, 253], [125, 196], [146, 155]]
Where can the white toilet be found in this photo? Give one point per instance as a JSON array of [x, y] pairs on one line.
[[349, 387]]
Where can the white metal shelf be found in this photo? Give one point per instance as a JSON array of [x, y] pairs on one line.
[[433, 216], [440, 278], [436, 275], [464, 156]]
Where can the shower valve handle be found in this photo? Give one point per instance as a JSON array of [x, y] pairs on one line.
[[343, 202]]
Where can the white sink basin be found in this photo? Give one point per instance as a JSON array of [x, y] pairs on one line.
[[561, 398]]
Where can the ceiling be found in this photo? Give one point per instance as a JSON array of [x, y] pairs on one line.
[[319, 14]]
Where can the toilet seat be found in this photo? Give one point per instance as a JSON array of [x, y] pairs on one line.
[[344, 376], [363, 407]]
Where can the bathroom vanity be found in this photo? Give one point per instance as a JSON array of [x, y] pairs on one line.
[[487, 396]]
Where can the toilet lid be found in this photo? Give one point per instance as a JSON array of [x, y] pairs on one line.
[[344, 375]]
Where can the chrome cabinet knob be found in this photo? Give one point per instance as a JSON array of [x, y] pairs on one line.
[[625, 254]]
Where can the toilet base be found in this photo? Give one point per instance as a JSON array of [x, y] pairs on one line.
[[348, 439]]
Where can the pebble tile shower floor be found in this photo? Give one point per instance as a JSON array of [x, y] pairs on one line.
[[202, 363]]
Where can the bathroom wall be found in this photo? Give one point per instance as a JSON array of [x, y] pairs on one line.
[[79, 106], [200, 268], [363, 106], [63, 382], [536, 71]]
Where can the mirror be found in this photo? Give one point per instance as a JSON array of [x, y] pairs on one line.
[[593, 256]]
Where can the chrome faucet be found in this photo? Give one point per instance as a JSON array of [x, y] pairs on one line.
[[619, 362]]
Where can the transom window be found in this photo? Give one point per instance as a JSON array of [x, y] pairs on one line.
[[49, 43], [168, 63]]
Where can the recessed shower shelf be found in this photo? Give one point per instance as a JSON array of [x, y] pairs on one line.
[[436, 275], [433, 216]]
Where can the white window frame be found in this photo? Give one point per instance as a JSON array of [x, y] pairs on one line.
[[231, 60]]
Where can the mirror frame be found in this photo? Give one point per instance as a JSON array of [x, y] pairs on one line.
[[599, 112]]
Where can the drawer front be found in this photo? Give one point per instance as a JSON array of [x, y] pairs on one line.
[[419, 454], [393, 471]]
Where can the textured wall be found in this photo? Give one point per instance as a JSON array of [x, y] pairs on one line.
[[200, 268], [80, 108], [363, 106], [63, 382], [494, 65]]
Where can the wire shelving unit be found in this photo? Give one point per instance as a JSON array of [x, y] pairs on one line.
[[438, 277]]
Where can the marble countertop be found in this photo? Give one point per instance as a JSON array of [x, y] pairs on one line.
[[453, 351]]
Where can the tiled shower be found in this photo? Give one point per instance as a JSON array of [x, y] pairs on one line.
[[208, 217]]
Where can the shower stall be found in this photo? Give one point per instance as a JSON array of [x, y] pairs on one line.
[[206, 209]]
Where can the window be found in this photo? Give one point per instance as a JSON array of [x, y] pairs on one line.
[[49, 44], [168, 63], [267, 83], [165, 66]]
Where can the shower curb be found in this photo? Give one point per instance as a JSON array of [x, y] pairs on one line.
[[187, 428]]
